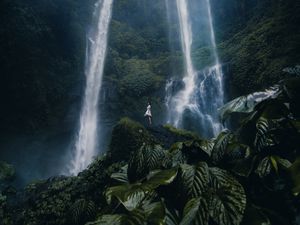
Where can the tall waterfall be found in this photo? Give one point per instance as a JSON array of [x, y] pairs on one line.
[[183, 99], [202, 93], [87, 138]]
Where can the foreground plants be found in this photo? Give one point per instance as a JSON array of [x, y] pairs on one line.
[[248, 177], [245, 177]]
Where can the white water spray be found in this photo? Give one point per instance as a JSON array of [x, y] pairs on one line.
[[87, 138], [203, 93], [183, 99]]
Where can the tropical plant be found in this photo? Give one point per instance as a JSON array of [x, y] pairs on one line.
[[211, 181], [82, 211]]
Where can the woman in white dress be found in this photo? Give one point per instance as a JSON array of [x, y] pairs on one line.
[[148, 113]]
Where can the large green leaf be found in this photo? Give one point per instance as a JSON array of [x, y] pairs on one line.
[[223, 194], [161, 177], [271, 163], [147, 158], [264, 167], [148, 214], [130, 195], [136, 217], [263, 139], [193, 179], [108, 220], [172, 217], [155, 213], [175, 156], [188, 152], [121, 176], [133, 195], [227, 201], [197, 150], [247, 103], [82, 211], [220, 146], [195, 212]]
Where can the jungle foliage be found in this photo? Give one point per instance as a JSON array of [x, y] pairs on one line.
[[249, 176], [243, 177]]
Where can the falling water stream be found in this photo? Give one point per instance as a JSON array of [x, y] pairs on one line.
[[202, 93], [87, 138]]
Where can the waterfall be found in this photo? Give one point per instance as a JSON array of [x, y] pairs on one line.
[[183, 99], [212, 89], [202, 93], [87, 138]]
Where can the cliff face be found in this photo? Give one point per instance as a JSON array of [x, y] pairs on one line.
[[43, 55], [258, 39], [43, 46]]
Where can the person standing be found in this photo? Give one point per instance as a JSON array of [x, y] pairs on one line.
[[148, 113]]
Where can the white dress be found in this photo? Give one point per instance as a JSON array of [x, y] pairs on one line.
[[148, 112]]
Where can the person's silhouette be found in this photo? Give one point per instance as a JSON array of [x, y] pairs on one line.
[[148, 113]]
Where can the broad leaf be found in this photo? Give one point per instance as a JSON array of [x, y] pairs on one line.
[[228, 200], [121, 176], [175, 156], [247, 103], [147, 158], [130, 195], [162, 177], [195, 212], [220, 146], [136, 217], [82, 211], [222, 193], [270, 163], [263, 139], [264, 167], [108, 220], [133, 195], [155, 213], [193, 179], [172, 217]]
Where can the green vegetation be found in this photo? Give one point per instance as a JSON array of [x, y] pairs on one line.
[[127, 136], [7, 172], [42, 62], [263, 41], [181, 132], [250, 176], [158, 175]]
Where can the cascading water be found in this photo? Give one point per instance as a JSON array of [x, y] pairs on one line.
[[87, 138], [183, 99], [211, 87], [202, 93]]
